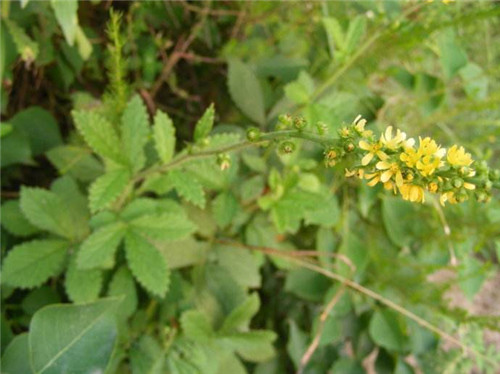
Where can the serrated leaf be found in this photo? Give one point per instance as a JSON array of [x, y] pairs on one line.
[[99, 134], [106, 189], [204, 124], [31, 263], [164, 136], [26, 47], [123, 285], [14, 221], [335, 34], [225, 207], [240, 317], [255, 345], [196, 326], [188, 187], [98, 250], [66, 336], [135, 131], [355, 32], [241, 264], [77, 162], [46, 210], [385, 330], [246, 91], [66, 15], [165, 226], [147, 264], [82, 286], [147, 356]]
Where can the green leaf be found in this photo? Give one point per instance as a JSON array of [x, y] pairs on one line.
[[79, 337], [38, 298], [26, 47], [471, 276], [107, 188], [164, 136], [31, 263], [166, 226], [307, 284], [135, 131], [147, 264], [122, 284], [297, 343], [15, 149], [242, 264], [16, 359], [301, 90], [183, 253], [255, 345], [66, 15], [83, 44], [246, 91], [355, 32], [399, 220], [188, 187], [225, 207], [240, 317], [99, 134], [75, 161], [98, 250], [82, 286], [204, 124], [147, 356], [40, 127], [475, 81], [385, 330], [196, 326], [335, 34], [46, 210], [453, 56], [14, 221]]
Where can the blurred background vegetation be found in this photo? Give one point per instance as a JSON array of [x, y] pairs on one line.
[[429, 68]]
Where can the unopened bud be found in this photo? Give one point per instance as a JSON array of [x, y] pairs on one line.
[[287, 147], [349, 147], [253, 134], [299, 123], [285, 120], [457, 182], [322, 128], [224, 161]]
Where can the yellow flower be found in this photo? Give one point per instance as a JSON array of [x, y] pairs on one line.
[[374, 178], [390, 169], [392, 142], [412, 192], [428, 164], [409, 157], [428, 156], [359, 124], [448, 196], [458, 157], [354, 173], [432, 187], [373, 149]]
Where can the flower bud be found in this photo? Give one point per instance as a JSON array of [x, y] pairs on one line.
[[287, 147], [285, 120], [494, 175], [299, 123], [349, 147], [224, 161], [461, 195], [253, 134], [322, 128], [457, 182]]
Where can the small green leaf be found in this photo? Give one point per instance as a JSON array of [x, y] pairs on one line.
[[75, 161], [99, 134], [26, 47], [82, 286], [135, 131], [66, 15], [240, 317], [46, 210], [122, 284], [14, 221], [301, 90], [164, 136], [385, 330], [188, 187], [453, 56], [16, 359], [225, 207], [31, 263], [246, 91], [80, 337], [147, 356], [15, 148], [254, 346], [355, 32], [166, 226], [335, 34], [475, 81], [106, 189], [196, 326], [307, 284], [204, 124], [98, 250], [242, 264], [147, 264]]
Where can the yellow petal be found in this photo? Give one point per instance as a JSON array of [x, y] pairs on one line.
[[366, 159], [382, 165], [386, 175]]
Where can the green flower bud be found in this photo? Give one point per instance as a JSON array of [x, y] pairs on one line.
[[482, 196], [461, 195], [224, 161], [299, 123], [287, 147], [253, 134], [457, 182], [322, 128], [494, 175], [285, 120]]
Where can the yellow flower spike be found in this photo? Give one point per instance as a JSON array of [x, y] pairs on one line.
[[458, 157]]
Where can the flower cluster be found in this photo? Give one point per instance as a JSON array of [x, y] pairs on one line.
[[410, 169]]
